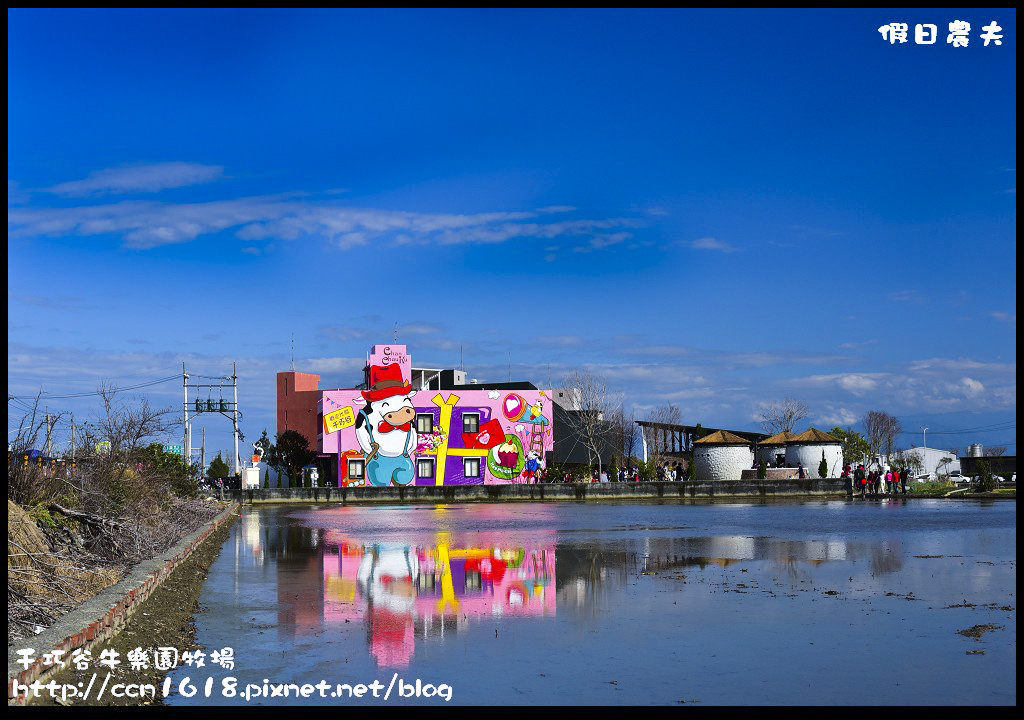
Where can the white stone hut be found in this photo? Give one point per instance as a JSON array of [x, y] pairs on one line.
[[807, 448], [770, 448], [722, 456]]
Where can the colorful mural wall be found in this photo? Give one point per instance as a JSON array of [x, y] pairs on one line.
[[397, 588], [391, 434]]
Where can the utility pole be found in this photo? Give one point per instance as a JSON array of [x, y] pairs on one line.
[[72, 439], [234, 416], [186, 450], [47, 432], [202, 457]]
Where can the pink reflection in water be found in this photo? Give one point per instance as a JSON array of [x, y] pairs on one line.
[[397, 589]]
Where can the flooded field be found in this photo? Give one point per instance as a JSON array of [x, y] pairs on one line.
[[825, 602]]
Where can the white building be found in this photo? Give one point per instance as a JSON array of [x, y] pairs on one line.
[[771, 448], [808, 448], [722, 456], [931, 461]]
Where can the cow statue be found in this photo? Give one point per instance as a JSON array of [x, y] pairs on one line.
[[385, 428]]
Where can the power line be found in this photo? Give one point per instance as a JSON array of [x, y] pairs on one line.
[[1008, 425], [47, 396]]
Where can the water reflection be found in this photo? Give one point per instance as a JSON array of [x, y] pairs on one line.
[[405, 591], [649, 595], [433, 579]]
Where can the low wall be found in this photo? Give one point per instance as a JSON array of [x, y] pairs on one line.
[[774, 473], [573, 492], [103, 615]]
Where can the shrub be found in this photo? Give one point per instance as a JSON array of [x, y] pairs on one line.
[[762, 470], [985, 482], [823, 466], [691, 471]]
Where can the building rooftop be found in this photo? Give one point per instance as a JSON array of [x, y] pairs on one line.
[[779, 439], [814, 436], [722, 437]]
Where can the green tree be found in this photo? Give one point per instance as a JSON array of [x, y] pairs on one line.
[[856, 448], [291, 453], [691, 472], [218, 468], [823, 466], [985, 482], [762, 470], [167, 468], [944, 462]]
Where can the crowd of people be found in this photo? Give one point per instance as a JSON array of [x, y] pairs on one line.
[[875, 481], [669, 472]]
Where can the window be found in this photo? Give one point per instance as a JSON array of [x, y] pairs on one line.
[[471, 422], [424, 423], [472, 467], [425, 468], [356, 469]]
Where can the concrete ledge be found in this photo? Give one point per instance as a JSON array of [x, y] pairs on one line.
[[555, 492], [103, 615]]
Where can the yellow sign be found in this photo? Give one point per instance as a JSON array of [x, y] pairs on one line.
[[339, 420]]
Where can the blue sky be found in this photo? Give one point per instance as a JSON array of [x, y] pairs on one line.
[[716, 209]]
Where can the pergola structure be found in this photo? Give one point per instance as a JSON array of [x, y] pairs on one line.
[[671, 439]]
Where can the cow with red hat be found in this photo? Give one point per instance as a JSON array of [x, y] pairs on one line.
[[385, 428]]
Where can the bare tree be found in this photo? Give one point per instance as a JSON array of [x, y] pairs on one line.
[[907, 459], [96, 517], [591, 421], [624, 437], [783, 416], [28, 481], [667, 414], [882, 429]]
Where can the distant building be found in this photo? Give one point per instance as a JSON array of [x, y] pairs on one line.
[[297, 395], [810, 447], [464, 431], [722, 455], [772, 450], [931, 460]]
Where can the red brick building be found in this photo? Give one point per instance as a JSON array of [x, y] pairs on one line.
[[297, 396]]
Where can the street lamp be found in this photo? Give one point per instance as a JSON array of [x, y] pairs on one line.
[[924, 449]]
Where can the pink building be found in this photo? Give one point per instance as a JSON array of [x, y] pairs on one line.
[[460, 432]]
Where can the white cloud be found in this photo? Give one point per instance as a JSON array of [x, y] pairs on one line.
[[971, 387], [710, 243], [857, 384], [139, 178], [334, 364], [834, 417], [145, 224], [906, 296], [1004, 316]]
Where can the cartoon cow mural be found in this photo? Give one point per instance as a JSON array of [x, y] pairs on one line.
[[385, 428]]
